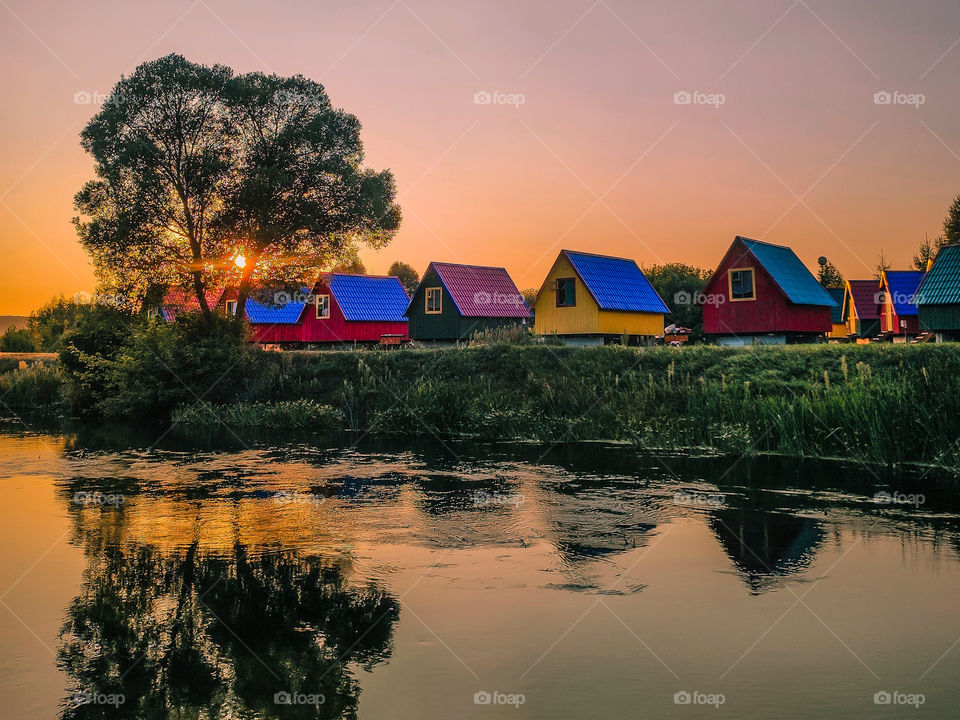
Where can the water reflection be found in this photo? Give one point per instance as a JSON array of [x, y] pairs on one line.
[[193, 634], [766, 547]]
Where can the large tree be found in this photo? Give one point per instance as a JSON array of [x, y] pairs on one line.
[[829, 276], [163, 146], [204, 178], [301, 195], [681, 287]]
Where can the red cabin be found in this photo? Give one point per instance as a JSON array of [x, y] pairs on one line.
[[340, 308], [762, 294]]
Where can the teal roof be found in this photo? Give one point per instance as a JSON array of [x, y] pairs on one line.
[[836, 312], [791, 275], [616, 283], [941, 285]]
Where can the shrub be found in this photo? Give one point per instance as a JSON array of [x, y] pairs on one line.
[[37, 387], [18, 340]]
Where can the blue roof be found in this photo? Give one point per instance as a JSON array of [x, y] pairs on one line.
[[782, 264], [837, 312], [903, 285], [616, 283], [288, 314], [362, 297]]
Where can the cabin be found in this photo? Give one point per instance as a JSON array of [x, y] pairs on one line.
[[861, 308], [340, 308], [593, 299], [898, 311], [762, 294], [836, 313], [938, 296], [453, 302]]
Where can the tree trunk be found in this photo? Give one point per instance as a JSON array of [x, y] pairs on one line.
[[244, 290], [199, 290]]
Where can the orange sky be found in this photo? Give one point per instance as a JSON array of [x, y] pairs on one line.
[[598, 157]]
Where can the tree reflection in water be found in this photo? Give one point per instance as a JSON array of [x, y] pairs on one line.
[[195, 635]]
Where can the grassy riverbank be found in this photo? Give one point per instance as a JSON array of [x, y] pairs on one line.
[[876, 403], [885, 404]]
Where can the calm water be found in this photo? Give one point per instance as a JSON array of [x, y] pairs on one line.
[[400, 582]]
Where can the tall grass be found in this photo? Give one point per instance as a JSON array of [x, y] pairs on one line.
[[37, 388]]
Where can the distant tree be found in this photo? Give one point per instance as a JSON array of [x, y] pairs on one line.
[[409, 277], [829, 276], [951, 225], [927, 250], [680, 286], [529, 296], [354, 266], [300, 191], [882, 265], [18, 340], [52, 321]]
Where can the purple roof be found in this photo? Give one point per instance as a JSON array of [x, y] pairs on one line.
[[481, 291]]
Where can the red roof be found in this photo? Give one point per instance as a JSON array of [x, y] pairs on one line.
[[180, 300], [864, 294], [479, 291]]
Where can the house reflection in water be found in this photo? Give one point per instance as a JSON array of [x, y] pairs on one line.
[[766, 547]]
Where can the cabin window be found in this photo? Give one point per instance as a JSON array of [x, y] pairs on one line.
[[566, 292], [434, 301], [323, 306], [231, 307], [741, 284]]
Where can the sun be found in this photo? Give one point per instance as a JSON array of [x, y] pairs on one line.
[[240, 261]]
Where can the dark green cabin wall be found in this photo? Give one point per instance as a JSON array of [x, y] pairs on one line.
[[939, 317], [448, 325]]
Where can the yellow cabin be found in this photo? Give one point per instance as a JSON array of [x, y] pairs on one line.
[[592, 298]]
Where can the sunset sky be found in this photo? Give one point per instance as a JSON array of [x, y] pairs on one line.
[[597, 157]]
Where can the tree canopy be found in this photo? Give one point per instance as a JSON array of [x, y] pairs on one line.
[[829, 276], [409, 277], [206, 178]]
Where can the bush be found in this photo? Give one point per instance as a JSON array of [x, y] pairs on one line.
[[162, 365], [286, 414], [37, 387], [17, 340]]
